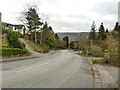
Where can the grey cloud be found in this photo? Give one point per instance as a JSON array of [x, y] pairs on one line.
[[109, 24], [106, 8], [70, 26]]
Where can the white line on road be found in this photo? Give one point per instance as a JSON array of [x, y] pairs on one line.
[[31, 67]]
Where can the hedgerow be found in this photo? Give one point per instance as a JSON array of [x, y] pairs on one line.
[[13, 51]]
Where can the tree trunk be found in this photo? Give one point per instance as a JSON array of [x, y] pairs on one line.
[[31, 35], [41, 39], [35, 37]]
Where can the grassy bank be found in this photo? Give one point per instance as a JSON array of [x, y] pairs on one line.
[[37, 47], [104, 62]]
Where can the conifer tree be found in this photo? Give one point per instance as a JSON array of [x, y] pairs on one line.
[[92, 34], [101, 33], [33, 21], [66, 39], [116, 26]]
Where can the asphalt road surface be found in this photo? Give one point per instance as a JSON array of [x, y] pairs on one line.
[[62, 69]]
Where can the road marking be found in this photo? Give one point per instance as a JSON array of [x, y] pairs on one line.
[[31, 67]]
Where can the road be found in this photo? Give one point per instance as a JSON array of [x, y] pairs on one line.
[[62, 69]]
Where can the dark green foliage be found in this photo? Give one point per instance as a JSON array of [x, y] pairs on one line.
[[13, 38], [101, 33], [13, 51], [116, 26], [66, 39], [92, 34], [72, 45], [45, 47], [33, 21], [56, 36], [48, 36], [107, 31]]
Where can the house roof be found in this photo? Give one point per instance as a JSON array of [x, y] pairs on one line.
[[4, 23], [19, 26]]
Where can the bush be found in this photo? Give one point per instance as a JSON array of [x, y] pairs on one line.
[[97, 53], [60, 44], [13, 51], [45, 48], [13, 38]]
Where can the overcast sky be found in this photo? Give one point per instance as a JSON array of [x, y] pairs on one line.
[[65, 15]]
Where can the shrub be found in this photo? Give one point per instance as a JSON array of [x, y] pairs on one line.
[[45, 48], [97, 53], [13, 38], [13, 51], [60, 44]]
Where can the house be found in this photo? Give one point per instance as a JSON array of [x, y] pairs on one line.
[[17, 28]]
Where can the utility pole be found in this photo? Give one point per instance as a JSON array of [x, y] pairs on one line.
[[119, 34], [0, 22]]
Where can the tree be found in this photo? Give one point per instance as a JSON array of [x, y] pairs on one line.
[[48, 35], [66, 39], [51, 41], [92, 34], [56, 36], [45, 32], [72, 45], [101, 33], [116, 26], [59, 44], [33, 21], [107, 31]]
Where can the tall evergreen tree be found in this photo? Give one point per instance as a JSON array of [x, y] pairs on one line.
[[101, 33], [92, 34], [107, 31], [33, 21], [56, 36], [48, 35], [66, 39], [116, 26]]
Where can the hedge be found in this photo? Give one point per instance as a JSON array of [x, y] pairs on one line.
[[13, 51]]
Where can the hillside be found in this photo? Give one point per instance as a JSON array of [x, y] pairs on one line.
[[74, 36]]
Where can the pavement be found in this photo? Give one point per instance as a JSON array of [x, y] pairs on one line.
[[62, 69], [108, 74]]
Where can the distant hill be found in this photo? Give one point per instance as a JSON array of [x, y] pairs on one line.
[[74, 36]]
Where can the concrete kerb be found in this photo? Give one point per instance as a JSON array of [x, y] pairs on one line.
[[97, 79], [17, 59], [23, 58]]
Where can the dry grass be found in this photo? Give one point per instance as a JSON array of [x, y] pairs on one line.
[[34, 46], [37, 47]]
